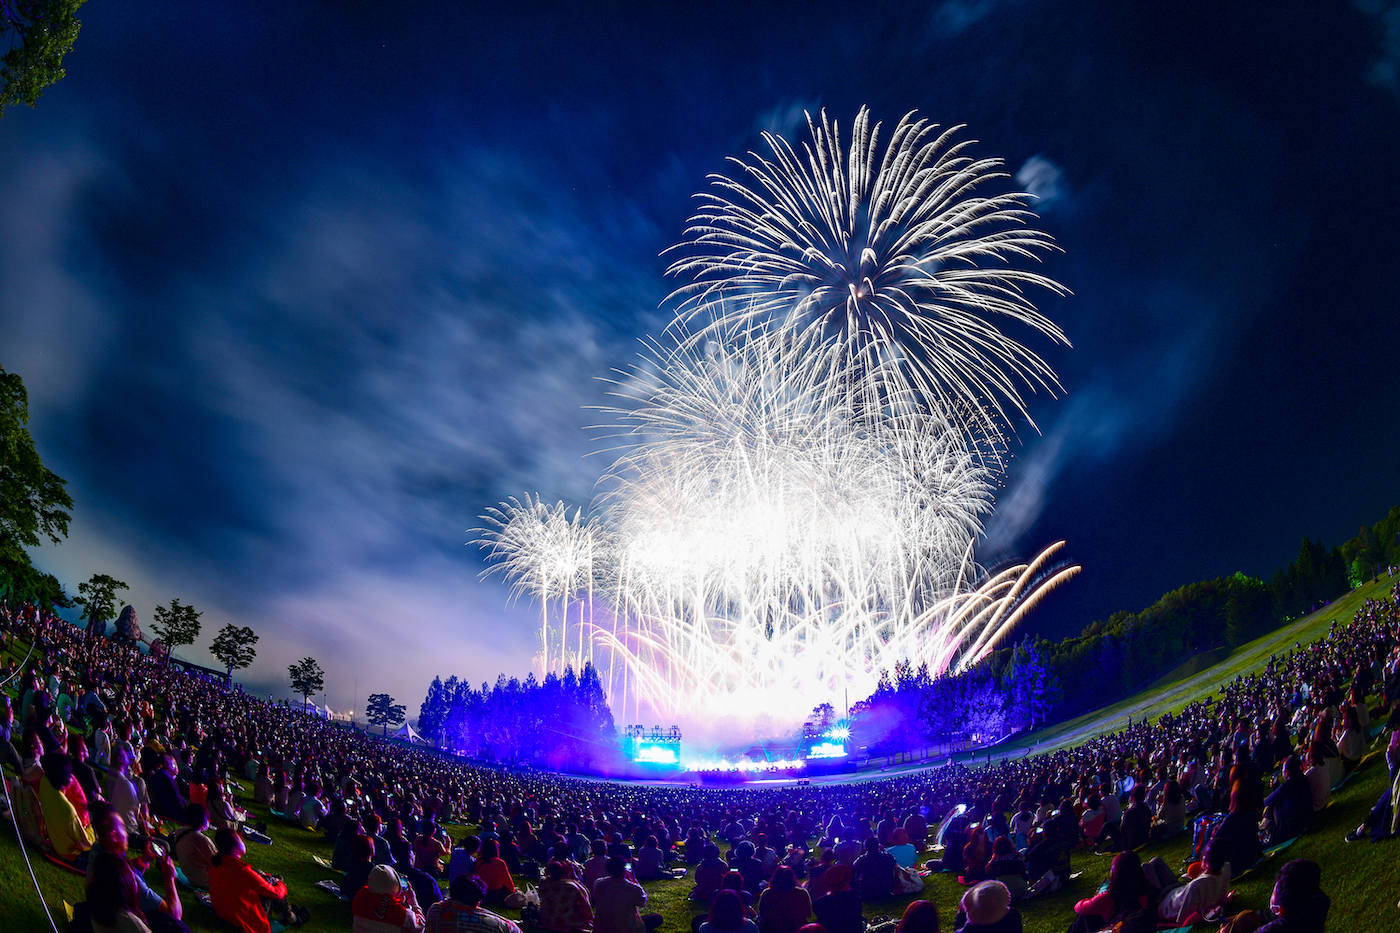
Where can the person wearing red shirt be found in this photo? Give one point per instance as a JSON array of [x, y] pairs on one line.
[[495, 874], [240, 894]]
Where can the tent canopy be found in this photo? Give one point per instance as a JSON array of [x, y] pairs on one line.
[[407, 732]]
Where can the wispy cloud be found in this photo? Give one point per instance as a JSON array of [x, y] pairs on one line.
[[381, 360]]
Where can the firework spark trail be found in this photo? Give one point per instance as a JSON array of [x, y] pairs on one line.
[[893, 257], [806, 461]]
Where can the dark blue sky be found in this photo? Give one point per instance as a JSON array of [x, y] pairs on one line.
[[300, 289]]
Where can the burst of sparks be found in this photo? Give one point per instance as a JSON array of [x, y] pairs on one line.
[[892, 254], [804, 466]]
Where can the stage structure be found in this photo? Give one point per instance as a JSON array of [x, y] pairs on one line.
[[806, 456], [654, 746], [831, 742]]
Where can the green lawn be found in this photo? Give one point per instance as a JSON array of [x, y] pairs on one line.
[[1359, 877]]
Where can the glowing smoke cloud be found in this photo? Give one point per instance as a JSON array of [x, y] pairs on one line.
[[808, 458]]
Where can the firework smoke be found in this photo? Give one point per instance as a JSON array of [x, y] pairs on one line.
[[808, 457]]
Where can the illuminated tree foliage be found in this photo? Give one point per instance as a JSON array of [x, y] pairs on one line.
[[33, 502], [39, 33]]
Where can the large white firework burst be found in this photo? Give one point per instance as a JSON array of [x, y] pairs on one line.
[[893, 255], [803, 468]]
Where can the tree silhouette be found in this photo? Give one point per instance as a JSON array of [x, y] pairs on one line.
[[233, 646], [383, 711], [307, 678], [176, 625], [98, 597]]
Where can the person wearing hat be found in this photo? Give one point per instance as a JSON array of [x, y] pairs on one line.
[[463, 911], [987, 909], [386, 905], [839, 910]]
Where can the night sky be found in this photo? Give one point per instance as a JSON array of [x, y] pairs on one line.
[[299, 290]]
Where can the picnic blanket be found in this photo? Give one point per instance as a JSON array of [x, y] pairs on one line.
[[331, 888], [181, 878]]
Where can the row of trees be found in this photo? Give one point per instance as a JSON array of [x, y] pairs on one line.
[[558, 721], [912, 708], [1115, 657]]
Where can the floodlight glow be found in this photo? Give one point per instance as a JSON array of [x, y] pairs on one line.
[[657, 754], [828, 750], [839, 732]]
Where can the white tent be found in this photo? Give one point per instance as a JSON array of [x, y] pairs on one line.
[[406, 731]]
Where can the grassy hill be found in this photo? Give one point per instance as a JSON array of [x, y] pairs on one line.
[[1359, 877]]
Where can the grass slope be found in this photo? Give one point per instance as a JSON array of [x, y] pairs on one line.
[[1359, 877]]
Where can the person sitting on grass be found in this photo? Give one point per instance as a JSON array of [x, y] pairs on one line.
[[262, 786], [918, 917], [977, 852], [903, 851], [651, 861], [784, 907], [563, 853], [313, 808], [1319, 779], [708, 874], [428, 848], [359, 864], [69, 832], [986, 908], [1298, 904], [1351, 739], [1237, 838], [1137, 820], [1128, 890], [281, 791], [400, 845], [1171, 811], [839, 911], [1187, 904], [1008, 867], [462, 911], [564, 903], [222, 813], [85, 774], [118, 898], [241, 895], [727, 915], [500, 886], [425, 886], [742, 860], [167, 801], [873, 872], [386, 905], [374, 829], [617, 902], [597, 865], [1288, 810], [193, 849], [463, 860], [1093, 819]]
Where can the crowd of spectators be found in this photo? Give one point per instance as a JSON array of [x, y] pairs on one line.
[[124, 752]]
